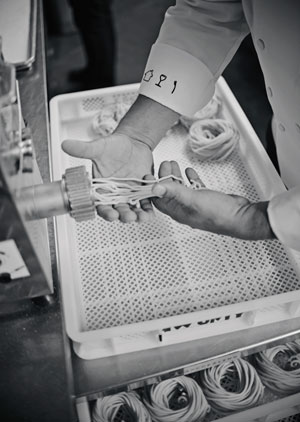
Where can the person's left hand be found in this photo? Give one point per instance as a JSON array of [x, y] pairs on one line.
[[116, 155], [209, 210]]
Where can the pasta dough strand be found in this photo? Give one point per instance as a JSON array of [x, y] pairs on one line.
[[250, 389], [195, 406], [107, 408], [280, 378], [212, 139], [114, 191]]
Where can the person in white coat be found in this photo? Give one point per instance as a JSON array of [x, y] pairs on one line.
[[197, 40]]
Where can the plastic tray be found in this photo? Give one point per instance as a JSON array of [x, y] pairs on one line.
[[138, 286]]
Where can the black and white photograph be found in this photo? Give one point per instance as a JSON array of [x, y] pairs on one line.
[[150, 211]]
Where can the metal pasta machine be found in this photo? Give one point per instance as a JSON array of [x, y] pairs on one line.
[[25, 202]]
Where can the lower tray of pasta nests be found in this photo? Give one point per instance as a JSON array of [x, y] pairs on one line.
[[244, 389]]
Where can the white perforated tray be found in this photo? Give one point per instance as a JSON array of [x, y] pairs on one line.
[[131, 287]]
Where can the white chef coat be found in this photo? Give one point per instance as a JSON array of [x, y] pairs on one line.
[[196, 42]]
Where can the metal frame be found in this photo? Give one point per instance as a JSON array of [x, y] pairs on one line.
[[32, 39]]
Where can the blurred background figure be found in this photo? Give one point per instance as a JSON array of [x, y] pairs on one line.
[[95, 23], [97, 43]]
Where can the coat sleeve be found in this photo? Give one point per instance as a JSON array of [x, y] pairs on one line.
[[284, 217], [197, 40]]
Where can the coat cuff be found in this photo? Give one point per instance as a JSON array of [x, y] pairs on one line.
[[284, 217], [177, 80]]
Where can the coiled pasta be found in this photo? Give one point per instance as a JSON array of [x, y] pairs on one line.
[[210, 111], [248, 392], [106, 121], [125, 405], [279, 368], [212, 139], [190, 402]]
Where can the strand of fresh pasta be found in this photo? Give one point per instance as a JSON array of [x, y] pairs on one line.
[[195, 404], [212, 139], [279, 380], [113, 191], [249, 393], [107, 408]]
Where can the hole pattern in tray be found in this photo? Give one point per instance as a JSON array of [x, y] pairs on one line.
[[140, 272], [294, 418], [94, 103]]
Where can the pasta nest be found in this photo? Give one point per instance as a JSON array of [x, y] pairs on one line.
[[212, 139]]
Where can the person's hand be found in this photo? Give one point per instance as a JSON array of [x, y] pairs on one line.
[[210, 210], [117, 155]]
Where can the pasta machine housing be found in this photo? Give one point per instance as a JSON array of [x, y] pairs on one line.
[[26, 202]]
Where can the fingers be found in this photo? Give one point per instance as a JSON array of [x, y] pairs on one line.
[[146, 206], [168, 168], [83, 149], [125, 213], [165, 169], [193, 177], [149, 177], [107, 212], [129, 214], [145, 211], [171, 190], [167, 189], [176, 171]]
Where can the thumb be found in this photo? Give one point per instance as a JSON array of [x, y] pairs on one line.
[[79, 149], [167, 190]]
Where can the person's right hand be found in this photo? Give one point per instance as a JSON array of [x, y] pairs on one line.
[[209, 210], [117, 155]]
